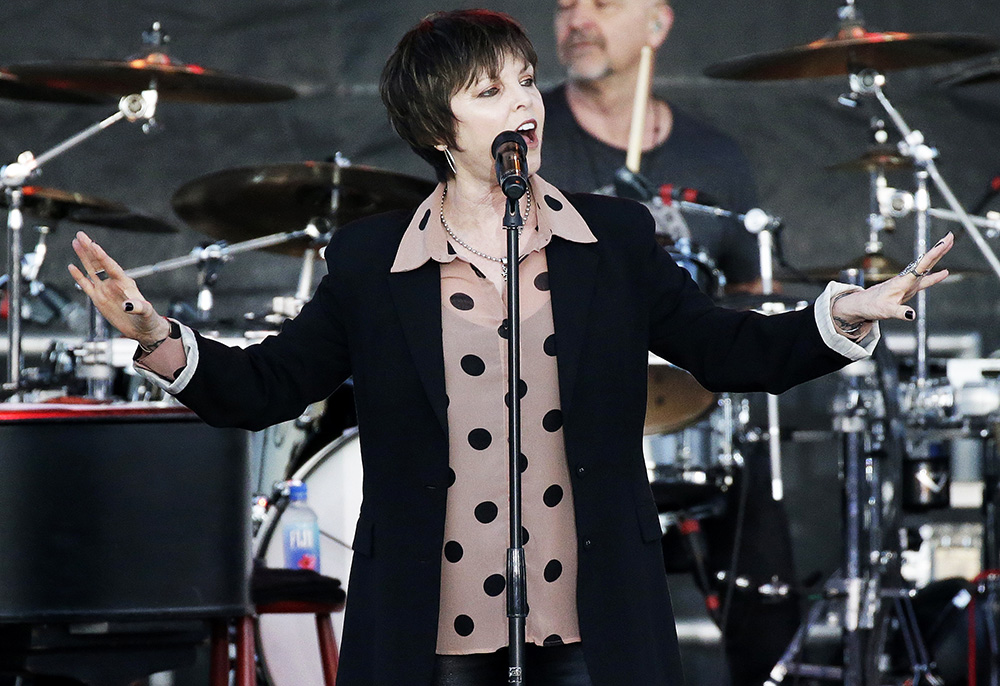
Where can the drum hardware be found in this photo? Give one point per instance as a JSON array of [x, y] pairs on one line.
[[867, 596], [758, 223], [210, 258], [249, 202], [52, 205], [691, 465], [174, 80], [12, 179], [850, 48], [12, 88], [772, 588]]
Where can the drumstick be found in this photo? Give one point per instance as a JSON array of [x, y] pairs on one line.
[[639, 110]]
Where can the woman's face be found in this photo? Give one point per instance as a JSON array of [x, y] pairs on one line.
[[510, 102]]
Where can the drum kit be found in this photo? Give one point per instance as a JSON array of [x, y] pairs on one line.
[[894, 431]]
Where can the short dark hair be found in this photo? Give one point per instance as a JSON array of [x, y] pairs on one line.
[[442, 54]]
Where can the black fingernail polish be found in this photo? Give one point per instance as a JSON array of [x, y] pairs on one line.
[[129, 307], [910, 315], [938, 243]]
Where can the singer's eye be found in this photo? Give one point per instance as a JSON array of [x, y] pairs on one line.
[[528, 81], [489, 92]]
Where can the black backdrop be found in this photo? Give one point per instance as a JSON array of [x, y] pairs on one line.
[[332, 52]]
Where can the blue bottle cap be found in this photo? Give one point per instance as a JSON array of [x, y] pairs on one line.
[[297, 490]]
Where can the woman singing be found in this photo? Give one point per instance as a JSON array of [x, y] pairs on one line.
[[413, 308]]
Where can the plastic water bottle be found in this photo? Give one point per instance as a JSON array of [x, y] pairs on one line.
[[300, 530]]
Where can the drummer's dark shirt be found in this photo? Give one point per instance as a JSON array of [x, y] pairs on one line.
[[695, 155]]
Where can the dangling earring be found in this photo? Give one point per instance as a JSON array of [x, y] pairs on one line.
[[450, 159]]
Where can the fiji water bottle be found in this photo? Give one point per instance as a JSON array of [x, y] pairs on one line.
[[300, 531]]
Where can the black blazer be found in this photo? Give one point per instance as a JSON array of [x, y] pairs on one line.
[[612, 301]]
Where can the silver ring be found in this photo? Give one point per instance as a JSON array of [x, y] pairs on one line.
[[101, 275], [911, 268]]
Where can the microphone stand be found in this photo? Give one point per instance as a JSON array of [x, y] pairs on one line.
[[517, 605]]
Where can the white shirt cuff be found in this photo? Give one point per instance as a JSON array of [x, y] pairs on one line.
[[190, 343], [828, 330]]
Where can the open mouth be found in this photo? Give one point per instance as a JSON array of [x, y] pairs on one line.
[[529, 130]]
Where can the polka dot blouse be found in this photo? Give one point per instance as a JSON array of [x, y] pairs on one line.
[[472, 614]]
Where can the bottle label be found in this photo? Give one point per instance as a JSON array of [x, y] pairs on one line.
[[302, 546]]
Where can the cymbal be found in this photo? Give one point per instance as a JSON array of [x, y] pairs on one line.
[[674, 399], [770, 304], [174, 81], [12, 88], [877, 268], [251, 202], [874, 159], [52, 204], [851, 49]]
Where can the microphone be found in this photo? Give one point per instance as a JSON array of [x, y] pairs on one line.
[[669, 192], [509, 152]]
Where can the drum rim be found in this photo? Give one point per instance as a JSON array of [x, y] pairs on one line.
[[267, 526]]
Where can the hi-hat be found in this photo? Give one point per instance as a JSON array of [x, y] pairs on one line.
[[875, 159], [251, 202], [12, 88], [173, 80], [852, 49], [52, 204]]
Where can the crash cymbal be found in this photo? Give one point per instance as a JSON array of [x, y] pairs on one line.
[[250, 202], [174, 81], [12, 88], [851, 49], [874, 159], [52, 204]]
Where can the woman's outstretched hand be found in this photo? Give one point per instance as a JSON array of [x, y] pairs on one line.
[[854, 312], [115, 294]]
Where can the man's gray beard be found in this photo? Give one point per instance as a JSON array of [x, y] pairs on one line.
[[586, 79]]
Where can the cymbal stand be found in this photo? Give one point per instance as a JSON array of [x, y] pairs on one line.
[[869, 575], [756, 222], [222, 250], [134, 107], [869, 82], [208, 275]]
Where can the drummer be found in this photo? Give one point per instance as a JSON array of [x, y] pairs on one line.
[[589, 121], [412, 307], [590, 115]]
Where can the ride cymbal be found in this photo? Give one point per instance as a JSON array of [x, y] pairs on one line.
[[251, 202], [850, 50], [173, 80]]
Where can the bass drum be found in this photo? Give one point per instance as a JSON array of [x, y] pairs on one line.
[[287, 645]]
